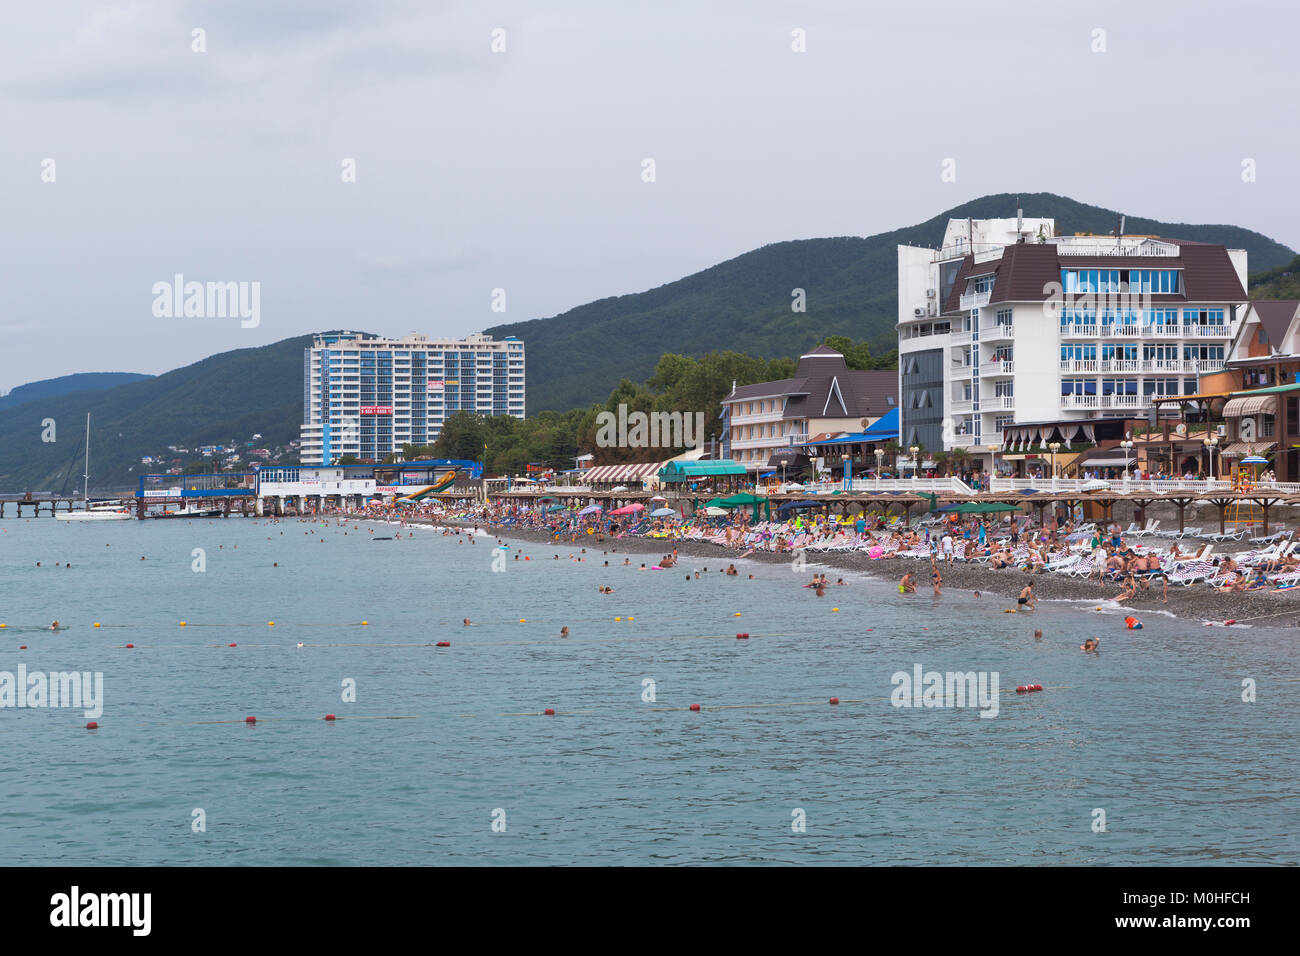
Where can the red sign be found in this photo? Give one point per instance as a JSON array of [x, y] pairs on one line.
[[376, 409]]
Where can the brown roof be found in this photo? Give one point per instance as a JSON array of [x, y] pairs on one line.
[[824, 384], [1275, 316], [1027, 269]]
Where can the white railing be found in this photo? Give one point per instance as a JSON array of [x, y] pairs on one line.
[[1162, 331], [1079, 365], [963, 441], [962, 404], [973, 300], [1125, 401], [998, 330], [1162, 365], [1079, 401], [1007, 367], [1006, 402], [1206, 331], [949, 485], [1122, 331], [1119, 365], [1075, 330]]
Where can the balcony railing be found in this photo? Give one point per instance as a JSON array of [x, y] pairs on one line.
[[1004, 367], [1119, 365], [1136, 331], [998, 331], [1075, 330], [1126, 331], [962, 405], [1162, 365], [1079, 365], [973, 300], [1080, 401]]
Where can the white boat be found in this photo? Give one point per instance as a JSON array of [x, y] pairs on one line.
[[101, 511]]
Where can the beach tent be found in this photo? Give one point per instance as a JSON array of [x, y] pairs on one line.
[[797, 505]]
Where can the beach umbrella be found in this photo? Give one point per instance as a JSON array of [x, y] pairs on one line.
[[1254, 460], [662, 512], [714, 512], [629, 509], [589, 510]]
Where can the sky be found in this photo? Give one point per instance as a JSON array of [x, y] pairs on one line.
[[503, 146]]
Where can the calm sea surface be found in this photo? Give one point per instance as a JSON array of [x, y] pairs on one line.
[[1152, 730]]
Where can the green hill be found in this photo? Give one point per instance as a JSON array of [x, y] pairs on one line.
[[81, 382], [577, 357], [226, 397], [1282, 282]]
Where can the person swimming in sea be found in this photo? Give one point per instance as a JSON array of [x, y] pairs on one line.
[[1090, 645]]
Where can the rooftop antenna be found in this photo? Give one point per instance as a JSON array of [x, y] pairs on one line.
[[1020, 222]]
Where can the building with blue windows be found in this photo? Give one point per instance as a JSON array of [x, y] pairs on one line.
[[1010, 333], [367, 396]]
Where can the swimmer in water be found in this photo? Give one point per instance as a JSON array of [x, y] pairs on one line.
[[1089, 645], [54, 626], [467, 622], [564, 631], [1038, 635]]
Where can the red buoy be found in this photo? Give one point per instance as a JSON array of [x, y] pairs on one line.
[[330, 717], [835, 700], [22, 647], [92, 726], [695, 706], [549, 712], [250, 720], [1038, 687], [1231, 621], [1022, 689], [130, 645], [234, 645], [742, 637], [444, 643]]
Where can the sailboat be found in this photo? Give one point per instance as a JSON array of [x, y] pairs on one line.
[[103, 511]]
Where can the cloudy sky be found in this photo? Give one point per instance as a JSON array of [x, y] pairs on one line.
[[523, 169]]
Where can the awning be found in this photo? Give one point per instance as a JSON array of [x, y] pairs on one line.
[[883, 428], [1240, 449], [1250, 405], [1107, 459], [620, 474]]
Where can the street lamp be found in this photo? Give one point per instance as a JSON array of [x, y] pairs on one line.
[[880, 458], [1209, 444], [916, 465], [848, 464], [1055, 446], [1127, 445]]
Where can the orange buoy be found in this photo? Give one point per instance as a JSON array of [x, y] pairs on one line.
[[182, 624], [96, 624], [270, 623], [695, 706]]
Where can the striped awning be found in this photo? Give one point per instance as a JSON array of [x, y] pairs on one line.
[[1250, 405], [1240, 449], [621, 474]]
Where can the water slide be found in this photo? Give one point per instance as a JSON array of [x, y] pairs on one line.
[[444, 482]]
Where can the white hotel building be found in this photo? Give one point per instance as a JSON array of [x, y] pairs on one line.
[[367, 396], [1009, 325]]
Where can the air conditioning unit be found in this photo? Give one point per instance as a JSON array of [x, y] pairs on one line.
[[918, 312], [930, 293]]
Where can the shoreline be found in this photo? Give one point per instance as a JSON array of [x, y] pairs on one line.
[[1195, 604]]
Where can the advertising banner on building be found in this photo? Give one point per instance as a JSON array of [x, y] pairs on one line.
[[376, 409]]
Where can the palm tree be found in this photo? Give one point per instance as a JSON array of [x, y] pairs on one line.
[[943, 461], [893, 449]]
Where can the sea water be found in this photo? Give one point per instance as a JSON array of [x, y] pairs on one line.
[[1145, 753]]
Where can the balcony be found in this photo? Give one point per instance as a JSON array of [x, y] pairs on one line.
[[1125, 401], [1120, 365], [961, 405], [1080, 401], [1079, 365], [1162, 331], [973, 300], [1078, 331], [1162, 365], [998, 332], [963, 440], [1129, 331], [995, 369], [1207, 332]]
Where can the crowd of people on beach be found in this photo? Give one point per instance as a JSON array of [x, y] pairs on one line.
[[1064, 544]]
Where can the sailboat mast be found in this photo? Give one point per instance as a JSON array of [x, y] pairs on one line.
[[86, 476]]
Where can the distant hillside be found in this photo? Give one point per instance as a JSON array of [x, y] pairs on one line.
[[230, 395], [81, 382], [1280, 283], [577, 357]]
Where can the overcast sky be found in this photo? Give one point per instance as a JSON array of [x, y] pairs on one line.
[[523, 169]]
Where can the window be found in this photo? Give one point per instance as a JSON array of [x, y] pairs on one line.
[[1203, 316], [1078, 386], [1003, 317], [983, 283]]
